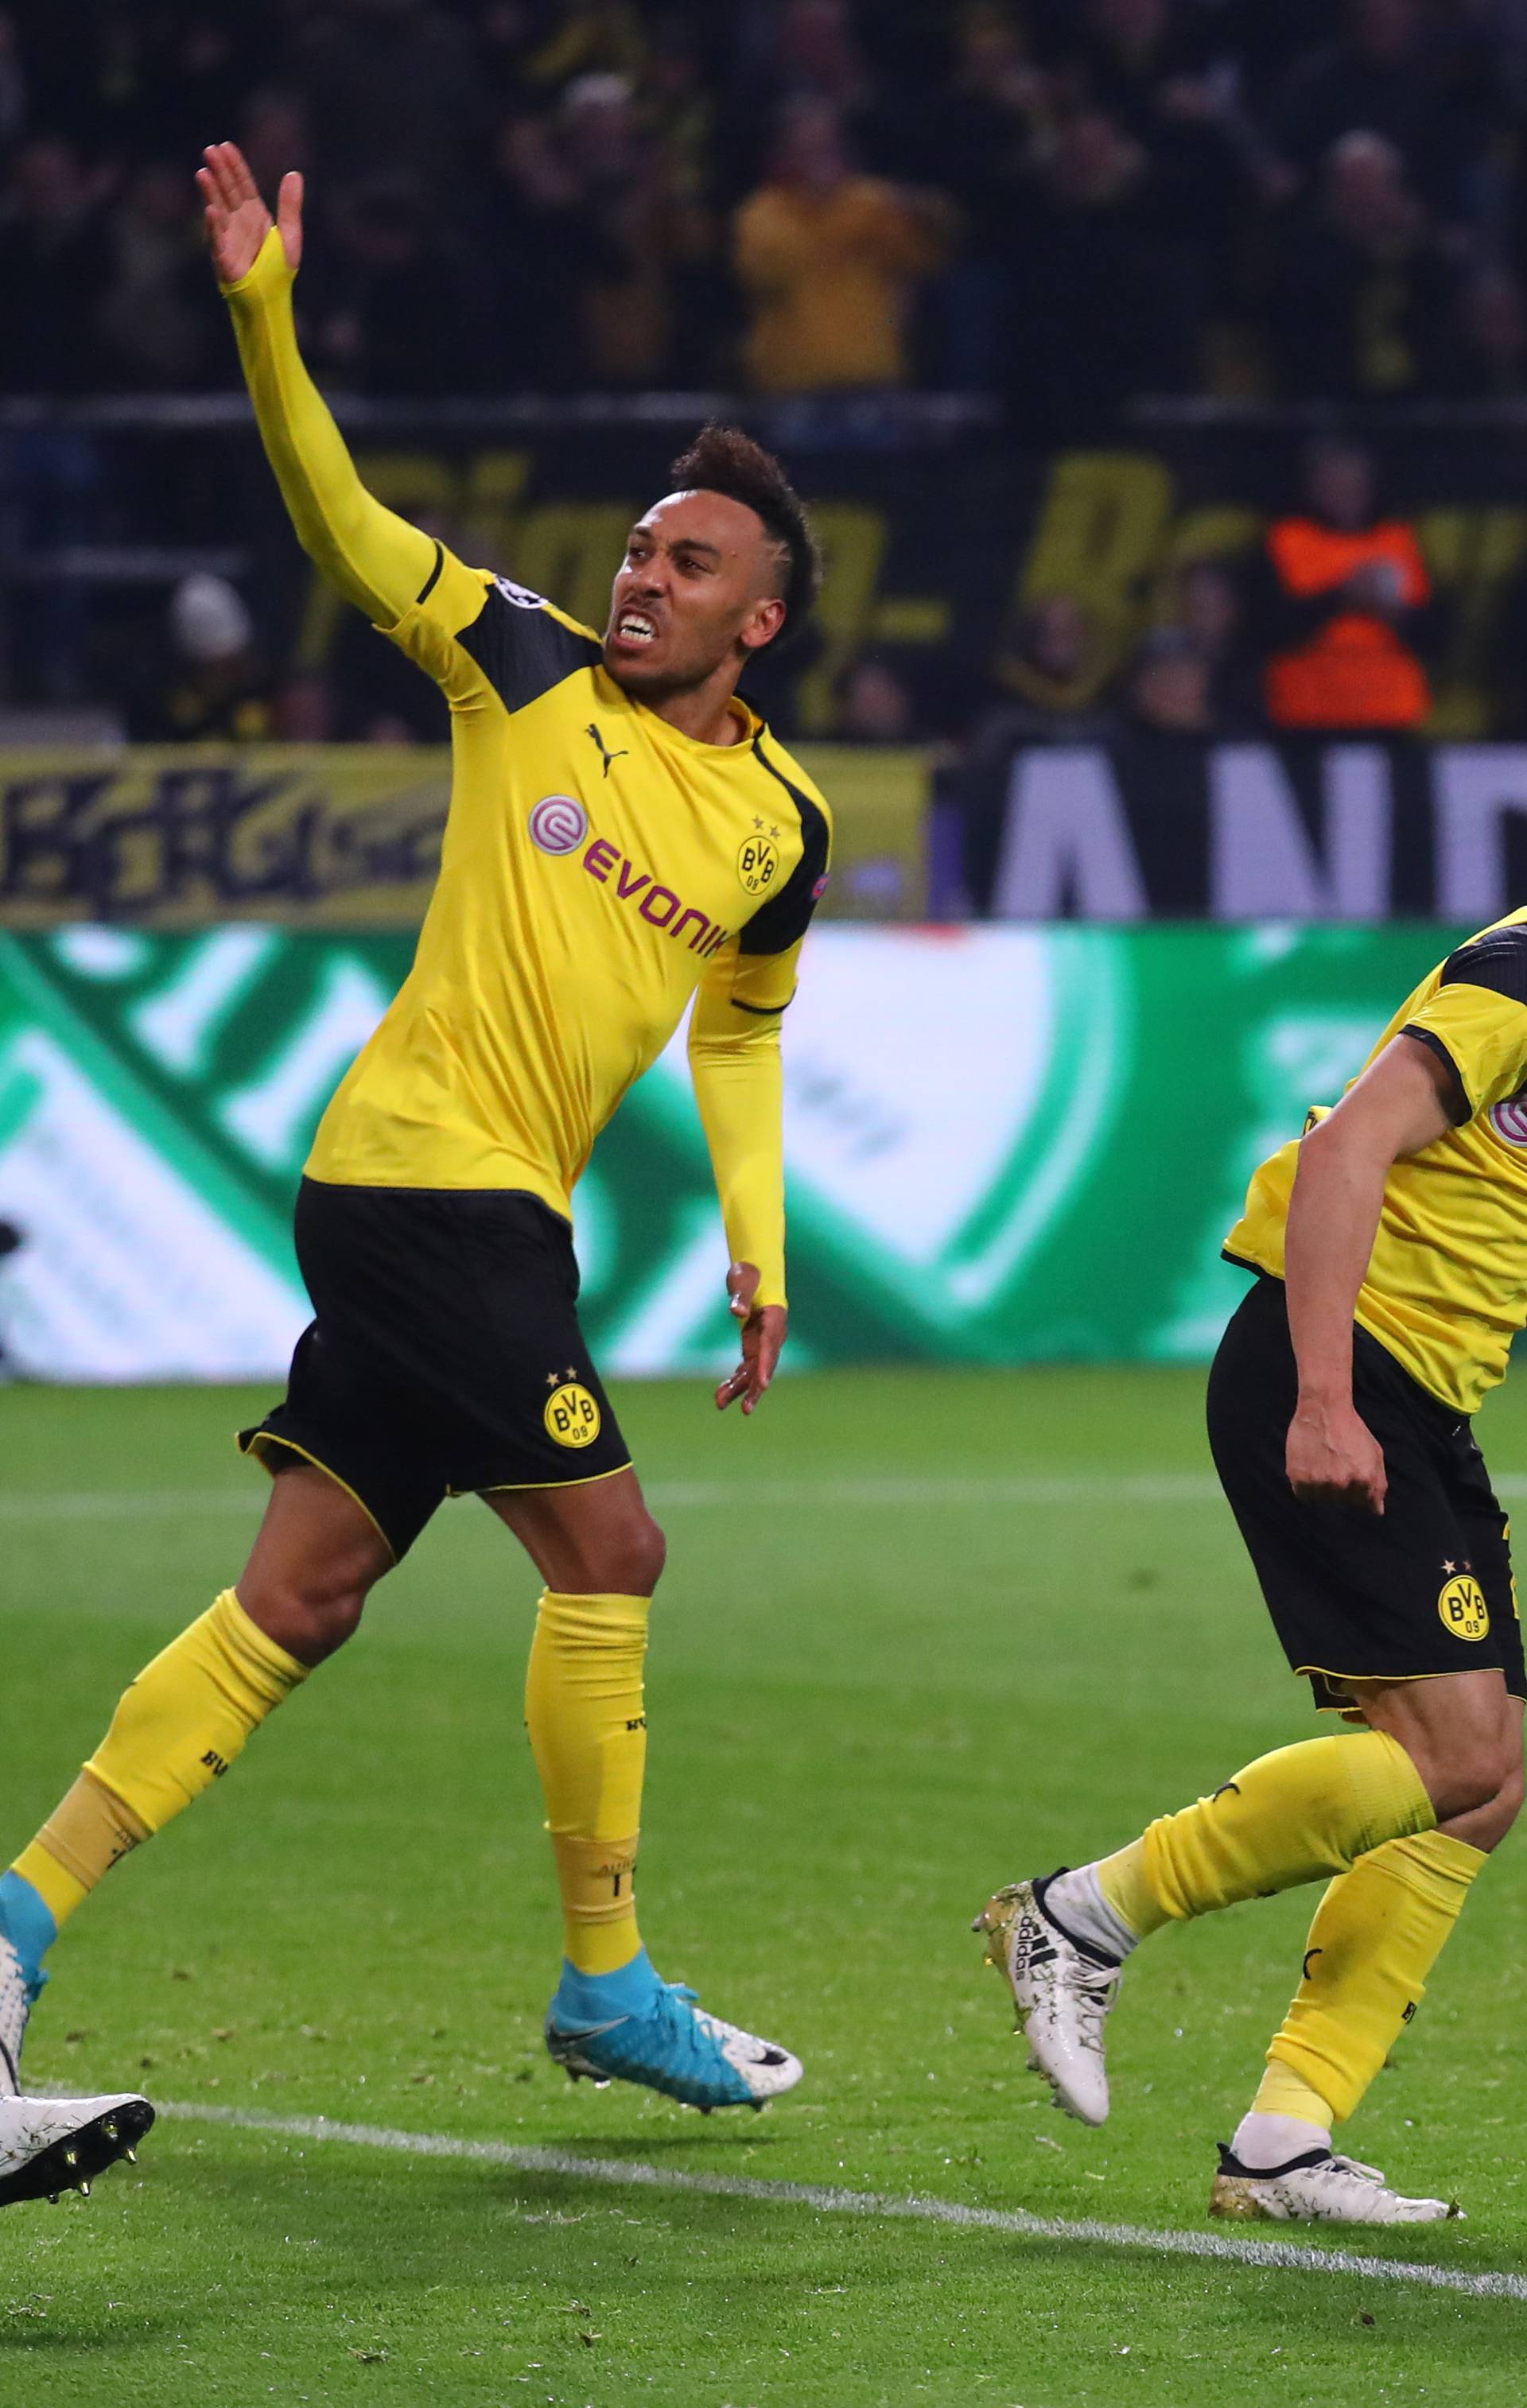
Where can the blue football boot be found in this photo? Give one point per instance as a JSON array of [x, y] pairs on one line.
[[631, 2026], [48, 2145]]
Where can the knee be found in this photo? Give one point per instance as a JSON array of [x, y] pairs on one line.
[[626, 1562], [1486, 1776], [1489, 1824], [311, 1617], [637, 1558]]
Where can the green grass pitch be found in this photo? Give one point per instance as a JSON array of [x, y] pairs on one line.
[[868, 1704]]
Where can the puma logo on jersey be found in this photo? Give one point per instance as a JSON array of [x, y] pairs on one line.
[[608, 757]]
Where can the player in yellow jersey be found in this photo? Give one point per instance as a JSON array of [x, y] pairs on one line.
[[625, 836], [1390, 1245]]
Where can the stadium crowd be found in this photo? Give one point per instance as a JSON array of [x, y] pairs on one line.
[[1060, 206], [1067, 201]]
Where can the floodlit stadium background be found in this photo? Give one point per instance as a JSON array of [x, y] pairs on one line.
[[1043, 302], [1043, 306]]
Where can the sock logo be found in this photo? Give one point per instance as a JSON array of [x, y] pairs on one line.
[[1462, 1607], [217, 1765], [638, 1722], [1310, 1955]]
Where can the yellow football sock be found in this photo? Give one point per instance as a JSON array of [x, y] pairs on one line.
[[583, 1706], [1377, 1934], [179, 1725], [1284, 2092], [1303, 1811]]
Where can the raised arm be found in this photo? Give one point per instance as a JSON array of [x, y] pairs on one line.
[[374, 558], [734, 1059], [1403, 1102]]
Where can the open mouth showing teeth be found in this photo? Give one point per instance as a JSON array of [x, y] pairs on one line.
[[633, 629]]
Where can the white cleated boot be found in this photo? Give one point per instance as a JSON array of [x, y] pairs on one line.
[[1062, 1992], [1317, 2188], [49, 2146]]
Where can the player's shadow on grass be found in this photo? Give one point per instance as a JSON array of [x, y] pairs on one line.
[[59, 2334]]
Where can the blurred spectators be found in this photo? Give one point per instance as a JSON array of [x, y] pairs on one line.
[[875, 705], [1077, 201], [1345, 595], [53, 271], [155, 316], [12, 85], [218, 685], [1099, 252], [1052, 673], [1365, 293], [1488, 351], [385, 274], [830, 259], [1169, 689], [1207, 603]]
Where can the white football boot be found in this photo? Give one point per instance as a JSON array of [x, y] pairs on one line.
[[1063, 1994], [49, 2146], [1317, 2188]]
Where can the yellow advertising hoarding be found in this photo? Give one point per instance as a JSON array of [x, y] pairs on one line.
[[338, 835]]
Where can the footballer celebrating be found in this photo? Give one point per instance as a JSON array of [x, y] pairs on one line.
[[1390, 1248], [623, 837]]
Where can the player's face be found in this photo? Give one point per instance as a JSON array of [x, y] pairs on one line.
[[695, 593]]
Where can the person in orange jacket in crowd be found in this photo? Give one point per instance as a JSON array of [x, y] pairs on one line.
[[1345, 595]]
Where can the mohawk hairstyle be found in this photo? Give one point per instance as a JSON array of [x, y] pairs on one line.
[[724, 460]]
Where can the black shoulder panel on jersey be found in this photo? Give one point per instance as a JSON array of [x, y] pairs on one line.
[[521, 649], [1496, 960], [779, 923]]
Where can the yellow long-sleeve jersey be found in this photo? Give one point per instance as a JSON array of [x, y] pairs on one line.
[[1446, 1289], [598, 867]]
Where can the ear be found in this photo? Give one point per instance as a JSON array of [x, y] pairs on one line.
[[762, 624]]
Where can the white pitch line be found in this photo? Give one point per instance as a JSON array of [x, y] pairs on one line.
[[1036, 1490], [1283, 2256], [671, 1496]]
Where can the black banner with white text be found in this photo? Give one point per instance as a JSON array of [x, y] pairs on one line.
[[1169, 827]]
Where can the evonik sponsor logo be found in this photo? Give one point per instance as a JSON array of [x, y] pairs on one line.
[[658, 905]]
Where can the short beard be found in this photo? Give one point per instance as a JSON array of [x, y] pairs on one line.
[[660, 685]]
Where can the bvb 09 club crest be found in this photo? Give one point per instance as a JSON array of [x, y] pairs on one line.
[[571, 1415], [1462, 1607], [759, 861]]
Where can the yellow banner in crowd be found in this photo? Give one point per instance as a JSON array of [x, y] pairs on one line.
[[338, 835]]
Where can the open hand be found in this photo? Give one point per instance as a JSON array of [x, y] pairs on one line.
[[1333, 1458], [238, 221], [763, 1334]]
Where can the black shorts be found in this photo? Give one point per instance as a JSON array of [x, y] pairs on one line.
[[1423, 1588], [444, 1355]]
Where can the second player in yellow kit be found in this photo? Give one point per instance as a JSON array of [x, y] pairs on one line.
[[1389, 1244], [625, 838]]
